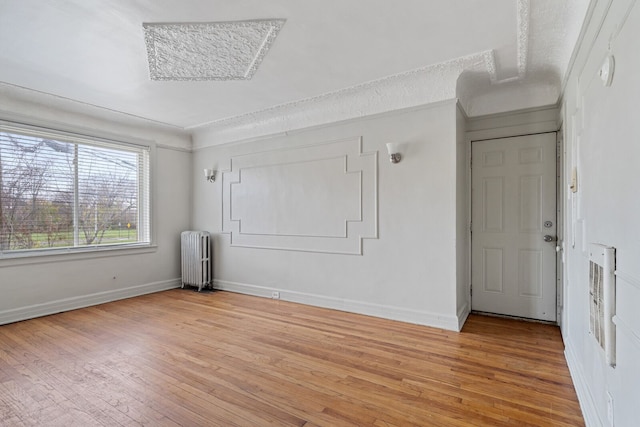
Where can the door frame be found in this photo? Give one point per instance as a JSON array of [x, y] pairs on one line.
[[560, 196]]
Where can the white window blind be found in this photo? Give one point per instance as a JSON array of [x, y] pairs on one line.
[[61, 190]]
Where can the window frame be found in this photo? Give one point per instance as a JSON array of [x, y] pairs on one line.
[[145, 198]]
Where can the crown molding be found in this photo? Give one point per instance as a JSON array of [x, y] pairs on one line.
[[430, 84], [38, 108], [483, 93], [413, 88]]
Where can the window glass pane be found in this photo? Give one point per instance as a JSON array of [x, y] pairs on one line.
[[108, 194], [55, 193]]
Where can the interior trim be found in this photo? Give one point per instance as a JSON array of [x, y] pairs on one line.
[[587, 403], [360, 307], [66, 304]]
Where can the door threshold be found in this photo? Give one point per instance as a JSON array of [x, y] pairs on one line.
[[507, 316]]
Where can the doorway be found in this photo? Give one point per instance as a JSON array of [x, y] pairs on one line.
[[513, 240]]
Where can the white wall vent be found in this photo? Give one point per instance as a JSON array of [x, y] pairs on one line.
[[602, 295]]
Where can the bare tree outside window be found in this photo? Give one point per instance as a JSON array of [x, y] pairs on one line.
[[46, 183], [106, 193]]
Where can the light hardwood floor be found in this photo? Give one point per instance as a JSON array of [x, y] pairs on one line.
[[222, 359]]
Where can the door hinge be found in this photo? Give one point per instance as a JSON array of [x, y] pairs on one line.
[[471, 227], [471, 290]]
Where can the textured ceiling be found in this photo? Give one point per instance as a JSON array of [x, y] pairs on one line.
[[332, 60], [208, 50]]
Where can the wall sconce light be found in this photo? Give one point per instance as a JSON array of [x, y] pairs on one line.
[[394, 155], [606, 70], [210, 175]]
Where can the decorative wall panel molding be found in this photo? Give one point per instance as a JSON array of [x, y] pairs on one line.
[[208, 50], [318, 198], [627, 316]]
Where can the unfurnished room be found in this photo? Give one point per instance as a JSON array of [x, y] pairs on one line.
[[319, 213]]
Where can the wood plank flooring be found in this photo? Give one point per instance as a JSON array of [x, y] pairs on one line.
[[181, 358]]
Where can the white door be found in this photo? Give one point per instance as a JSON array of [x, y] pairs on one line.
[[513, 202]]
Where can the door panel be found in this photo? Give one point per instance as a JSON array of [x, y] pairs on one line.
[[513, 195]]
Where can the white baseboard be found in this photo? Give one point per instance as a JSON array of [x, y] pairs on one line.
[[463, 313], [587, 404], [66, 304], [384, 311]]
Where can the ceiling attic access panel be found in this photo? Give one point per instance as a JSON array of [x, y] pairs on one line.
[[208, 50]]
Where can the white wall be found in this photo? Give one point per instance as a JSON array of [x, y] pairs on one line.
[[463, 240], [602, 140], [408, 272], [37, 286]]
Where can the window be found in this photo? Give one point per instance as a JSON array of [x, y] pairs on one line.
[[61, 190]]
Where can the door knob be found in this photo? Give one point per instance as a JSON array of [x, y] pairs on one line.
[[549, 238]]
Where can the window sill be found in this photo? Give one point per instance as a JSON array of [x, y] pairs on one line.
[[72, 254]]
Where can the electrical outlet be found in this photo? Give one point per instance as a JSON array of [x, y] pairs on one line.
[[275, 295], [610, 409]]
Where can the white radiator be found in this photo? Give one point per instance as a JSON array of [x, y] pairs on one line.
[[196, 258], [602, 295]]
